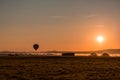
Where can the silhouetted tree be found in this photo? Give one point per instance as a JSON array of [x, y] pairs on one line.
[[105, 55], [93, 54]]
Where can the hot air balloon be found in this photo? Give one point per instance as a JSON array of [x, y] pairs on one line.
[[35, 46]]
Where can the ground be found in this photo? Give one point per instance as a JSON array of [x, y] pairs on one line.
[[59, 68]]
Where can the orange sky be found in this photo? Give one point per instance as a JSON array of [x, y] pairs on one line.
[[59, 25]]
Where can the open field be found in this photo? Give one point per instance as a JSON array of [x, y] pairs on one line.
[[59, 68]]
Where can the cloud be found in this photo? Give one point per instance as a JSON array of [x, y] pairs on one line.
[[100, 25], [57, 17], [91, 16]]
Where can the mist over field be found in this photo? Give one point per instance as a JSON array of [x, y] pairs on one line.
[[111, 52]]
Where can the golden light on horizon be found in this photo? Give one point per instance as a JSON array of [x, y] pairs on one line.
[[100, 39]]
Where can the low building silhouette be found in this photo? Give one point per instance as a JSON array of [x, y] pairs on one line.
[[68, 54]]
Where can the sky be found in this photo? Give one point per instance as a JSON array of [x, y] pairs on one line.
[[70, 25]]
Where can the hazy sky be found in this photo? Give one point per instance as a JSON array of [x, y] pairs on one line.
[[59, 24]]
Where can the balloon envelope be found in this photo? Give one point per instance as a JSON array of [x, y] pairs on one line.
[[35, 46]]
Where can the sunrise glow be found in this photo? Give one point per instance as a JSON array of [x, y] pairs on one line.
[[100, 39], [63, 25]]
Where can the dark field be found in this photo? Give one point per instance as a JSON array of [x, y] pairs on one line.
[[59, 68]]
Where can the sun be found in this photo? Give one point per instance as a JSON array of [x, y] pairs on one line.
[[100, 39]]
